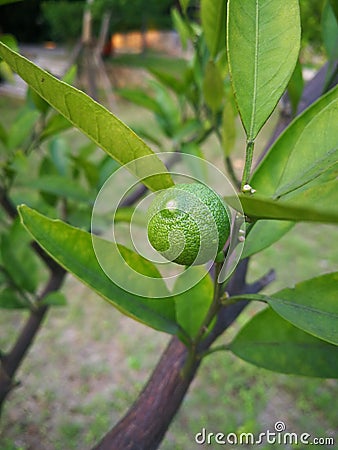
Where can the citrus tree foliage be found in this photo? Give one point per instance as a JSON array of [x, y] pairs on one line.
[[245, 58]]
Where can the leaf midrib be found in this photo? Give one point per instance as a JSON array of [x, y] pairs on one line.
[[254, 98]]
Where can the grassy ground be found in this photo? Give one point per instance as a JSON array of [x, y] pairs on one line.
[[89, 362]]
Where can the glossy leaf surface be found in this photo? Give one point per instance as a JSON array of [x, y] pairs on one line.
[[307, 209], [309, 138], [20, 261], [228, 127], [311, 305], [61, 187], [22, 128], [213, 18], [330, 31], [263, 234], [295, 87], [213, 87], [192, 305], [9, 299], [54, 299], [263, 41], [273, 343], [72, 248], [100, 125]]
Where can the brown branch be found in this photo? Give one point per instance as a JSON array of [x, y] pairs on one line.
[[11, 361], [146, 422], [7, 205], [148, 419], [11, 211]]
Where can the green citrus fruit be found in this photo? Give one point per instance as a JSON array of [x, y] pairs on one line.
[[188, 223]]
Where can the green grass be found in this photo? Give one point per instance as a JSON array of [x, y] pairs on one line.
[[89, 362]]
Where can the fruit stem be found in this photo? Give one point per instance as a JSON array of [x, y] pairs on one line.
[[248, 162], [213, 310], [214, 307]]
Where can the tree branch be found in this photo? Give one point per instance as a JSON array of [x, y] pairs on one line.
[[11, 361], [7, 205], [148, 419], [146, 422]]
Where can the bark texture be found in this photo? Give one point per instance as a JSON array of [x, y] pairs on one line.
[[146, 422]]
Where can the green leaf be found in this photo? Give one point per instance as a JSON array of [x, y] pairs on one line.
[[126, 214], [197, 165], [59, 151], [310, 137], [308, 174], [37, 101], [181, 27], [334, 6], [213, 18], [54, 299], [271, 342], [10, 41], [151, 136], [321, 198], [263, 42], [303, 208], [19, 163], [60, 186], [295, 87], [70, 76], [47, 167], [100, 125], [170, 81], [312, 306], [3, 135], [263, 234], [188, 130], [55, 125], [193, 304], [90, 171], [213, 87], [19, 259], [140, 98], [315, 151], [330, 32], [184, 5], [5, 2], [107, 167], [73, 249], [169, 115], [22, 128], [9, 299], [228, 127]]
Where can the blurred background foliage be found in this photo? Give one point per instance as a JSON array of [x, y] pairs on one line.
[[39, 20]]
